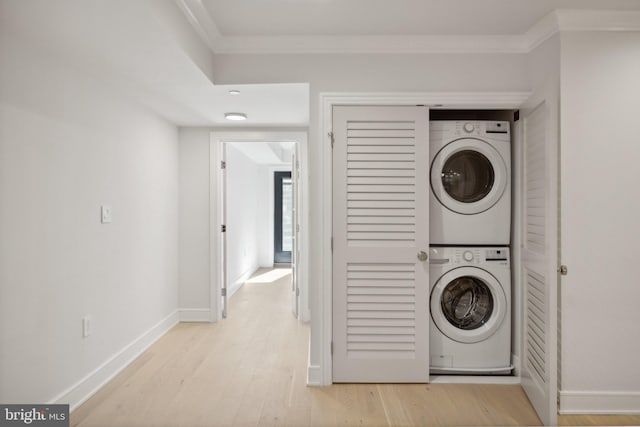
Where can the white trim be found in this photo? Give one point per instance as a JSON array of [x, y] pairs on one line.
[[195, 314], [541, 31], [599, 402], [495, 100], [252, 135], [373, 44], [515, 361], [200, 20], [235, 286], [96, 379], [598, 20], [473, 379], [314, 377], [555, 21]]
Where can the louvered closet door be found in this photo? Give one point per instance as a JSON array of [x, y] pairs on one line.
[[380, 224], [540, 240]]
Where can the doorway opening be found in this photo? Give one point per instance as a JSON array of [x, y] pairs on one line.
[[258, 213]]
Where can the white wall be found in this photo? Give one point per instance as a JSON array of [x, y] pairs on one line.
[[69, 143], [364, 73], [242, 216], [195, 251], [600, 210]]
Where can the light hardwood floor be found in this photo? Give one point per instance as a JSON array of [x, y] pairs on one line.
[[250, 369]]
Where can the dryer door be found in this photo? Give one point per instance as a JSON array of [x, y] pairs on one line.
[[468, 176], [468, 304]]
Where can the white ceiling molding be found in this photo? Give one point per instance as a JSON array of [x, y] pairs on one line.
[[598, 20], [434, 100], [370, 44], [201, 21], [542, 30], [552, 23]]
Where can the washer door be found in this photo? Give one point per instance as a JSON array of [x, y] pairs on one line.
[[468, 176], [468, 304]]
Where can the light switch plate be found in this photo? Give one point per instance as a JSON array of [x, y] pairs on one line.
[[86, 326], [106, 214]]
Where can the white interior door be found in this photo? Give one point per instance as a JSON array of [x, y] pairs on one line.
[[539, 261], [223, 231], [380, 244], [295, 258]]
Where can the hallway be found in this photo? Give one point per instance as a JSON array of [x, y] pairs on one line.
[[250, 369]]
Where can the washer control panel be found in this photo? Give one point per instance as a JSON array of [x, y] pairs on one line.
[[469, 255], [496, 130]]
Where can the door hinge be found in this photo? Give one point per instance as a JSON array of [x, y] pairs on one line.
[[332, 348], [223, 228], [516, 115], [223, 164], [332, 138], [331, 243], [563, 270], [297, 292], [297, 228], [223, 292]]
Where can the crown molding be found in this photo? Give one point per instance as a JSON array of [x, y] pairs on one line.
[[200, 20], [598, 20], [372, 44], [554, 22]]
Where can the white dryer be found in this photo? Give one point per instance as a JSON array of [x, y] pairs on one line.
[[470, 197], [470, 302]]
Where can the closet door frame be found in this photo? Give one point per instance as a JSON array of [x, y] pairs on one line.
[[320, 369]]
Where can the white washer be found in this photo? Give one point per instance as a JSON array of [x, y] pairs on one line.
[[470, 197], [470, 301]]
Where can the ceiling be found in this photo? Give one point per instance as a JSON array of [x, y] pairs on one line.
[[389, 17], [150, 53], [266, 153]]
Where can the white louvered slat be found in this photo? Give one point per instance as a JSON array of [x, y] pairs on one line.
[[539, 258], [535, 178], [382, 164], [386, 300], [380, 196]]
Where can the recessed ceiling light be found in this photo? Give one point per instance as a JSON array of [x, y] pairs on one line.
[[234, 92], [235, 116]]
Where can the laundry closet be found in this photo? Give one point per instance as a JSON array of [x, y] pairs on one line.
[[427, 237]]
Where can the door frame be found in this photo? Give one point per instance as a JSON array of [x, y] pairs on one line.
[[216, 206], [320, 367]]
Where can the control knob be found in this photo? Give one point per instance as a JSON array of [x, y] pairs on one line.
[[468, 256], [468, 127]]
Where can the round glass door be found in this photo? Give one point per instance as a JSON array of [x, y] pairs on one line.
[[468, 176], [468, 304]]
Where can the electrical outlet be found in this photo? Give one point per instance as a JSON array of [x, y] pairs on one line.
[[106, 214], [86, 326]]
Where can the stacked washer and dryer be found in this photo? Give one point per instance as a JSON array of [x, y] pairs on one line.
[[470, 228]]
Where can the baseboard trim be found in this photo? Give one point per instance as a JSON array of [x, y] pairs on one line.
[[473, 379], [78, 393], [599, 402], [195, 315], [240, 281], [314, 377]]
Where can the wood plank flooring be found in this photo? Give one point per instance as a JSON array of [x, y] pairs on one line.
[[250, 370]]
